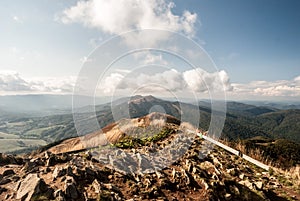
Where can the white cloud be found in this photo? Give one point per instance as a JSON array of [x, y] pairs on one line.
[[155, 59], [297, 79], [123, 71], [196, 80], [279, 88], [58, 85], [199, 80], [119, 16], [110, 82], [148, 57], [12, 83], [85, 59]]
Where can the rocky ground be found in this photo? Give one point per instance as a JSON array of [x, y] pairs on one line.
[[201, 173]]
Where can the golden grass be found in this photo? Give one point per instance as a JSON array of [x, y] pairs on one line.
[[292, 174]]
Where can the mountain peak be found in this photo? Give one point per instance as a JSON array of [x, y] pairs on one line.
[[139, 98]]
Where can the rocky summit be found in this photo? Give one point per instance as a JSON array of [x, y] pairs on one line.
[[196, 170]]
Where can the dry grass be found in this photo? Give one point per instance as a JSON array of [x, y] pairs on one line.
[[256, 153], [292, 174]]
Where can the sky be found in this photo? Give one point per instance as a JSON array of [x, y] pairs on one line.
[[255, 45]]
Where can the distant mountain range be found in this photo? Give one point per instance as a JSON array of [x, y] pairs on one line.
[[47, 104], [243, 121], [44, 104]]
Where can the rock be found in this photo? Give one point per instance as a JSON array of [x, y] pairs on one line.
[[258, 185], [96, 185], [17, 186], [70, 188], [51, 161], [173, 173], [71, 191], [15, 178], [159, 174], [70, 179], [37, 161], [47, 155], [234, 190], [59, 195], [206, 165], [217, 163], [7, 196], [9, 159], [47, 169], [242, 176], [185, 177], [69, 171], [30, 167], [5, 181], [88, 155], [275, 184], [111, 187], [58, 172], [206, 186], [30, 186], [227, 196], [232, 171], [8, 172], [2, 190], [247, 184], [188, 165], [89, 171]]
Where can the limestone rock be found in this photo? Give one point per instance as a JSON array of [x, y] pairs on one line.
[[30, 186]]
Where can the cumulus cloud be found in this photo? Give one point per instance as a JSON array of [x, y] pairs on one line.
[[283, 88], [12, 83], [200, 81], [196, 80], [117, 16], [110, 82]]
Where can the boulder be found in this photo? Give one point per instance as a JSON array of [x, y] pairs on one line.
[[30, 186], [30, 167], [71, 191], [70, 188], [8, 172]]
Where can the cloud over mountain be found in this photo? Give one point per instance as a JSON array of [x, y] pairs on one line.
[[12, 82], [196, 80], [287, 88]]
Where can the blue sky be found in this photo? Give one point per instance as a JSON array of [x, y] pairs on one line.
[[250, 40]]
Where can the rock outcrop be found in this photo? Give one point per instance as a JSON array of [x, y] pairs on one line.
[[198, 172]]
